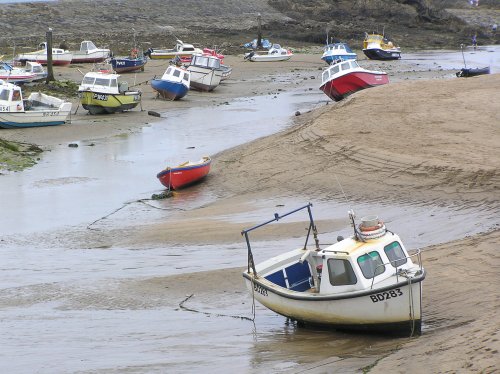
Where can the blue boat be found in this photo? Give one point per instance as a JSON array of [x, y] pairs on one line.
[[174, 84], [338, 51], [134, 62]]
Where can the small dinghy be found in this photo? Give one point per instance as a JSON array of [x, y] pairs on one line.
[[471, 72], [366, 282], [184, 174]]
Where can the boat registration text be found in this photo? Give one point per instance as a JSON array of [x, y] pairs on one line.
[[102, 97], [386, 295]]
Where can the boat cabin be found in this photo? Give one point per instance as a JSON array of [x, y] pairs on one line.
[[210, 62], [337, 48], [103, 82], [276, 49], [339, 68], [55, 51], [184, 47], [11, 97], [177, 74], [87, 46], [346, 266]]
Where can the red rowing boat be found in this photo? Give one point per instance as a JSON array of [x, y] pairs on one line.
[[184, 174], [346, 77]]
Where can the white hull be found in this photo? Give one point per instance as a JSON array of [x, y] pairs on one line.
[[57, 59], [364, 312], [82, 57], [268, 58], [204, 79]]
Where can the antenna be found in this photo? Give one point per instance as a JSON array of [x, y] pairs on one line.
[[341, 189]]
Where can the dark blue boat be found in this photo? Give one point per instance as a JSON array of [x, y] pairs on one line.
[[174, 84], [134, 62]]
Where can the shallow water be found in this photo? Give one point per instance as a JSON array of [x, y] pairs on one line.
[[81, 310]]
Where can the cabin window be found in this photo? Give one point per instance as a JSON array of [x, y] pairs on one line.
[[325, 75], [340, 272], [4, 95], [169, 71], [186, 76], [188, 49], [354, 64], [16, 95], [88, 80], [371, 264], [345, 66], [335, 69], [113, 83], [395, 254], [177, 73], [102, 82]]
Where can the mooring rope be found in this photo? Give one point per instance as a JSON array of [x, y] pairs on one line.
[[183, 307]]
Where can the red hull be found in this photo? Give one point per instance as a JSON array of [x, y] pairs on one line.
[[54, 62], [338, 88], [181, 176]]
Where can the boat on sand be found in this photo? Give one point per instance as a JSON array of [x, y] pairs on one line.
[[275, 53], [366, 282], [37, 110], [185, 174], [102, 92], [343, 78], [378, 47], [174, 83]]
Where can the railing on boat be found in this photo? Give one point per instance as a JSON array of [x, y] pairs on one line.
[[277, 217], [399, 272]]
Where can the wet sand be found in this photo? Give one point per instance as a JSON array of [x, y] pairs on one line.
[[425, 140]]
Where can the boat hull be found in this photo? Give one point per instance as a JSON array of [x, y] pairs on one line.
[[347, 84], [183, 176], [89, 57], [42, 59], [382, 54], [467, 72], [204, 79], [126, 65], [268, 57], [169, 90], [38, 118], [368, 310], [102, 103]]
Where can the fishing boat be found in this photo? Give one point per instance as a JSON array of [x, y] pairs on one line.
[[36, 69], [472, 72], [337, 51], [105, 93], [174, 84], [206, 73], [131, 63], [366, 282], [182, 50], [38, 110], [60, 57], [226, 69], [184, 174], [89, 53], [275, 53], [346, 77], [15, 75], [378, 47]]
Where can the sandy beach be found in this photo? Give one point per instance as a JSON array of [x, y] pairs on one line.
[[426, 140]]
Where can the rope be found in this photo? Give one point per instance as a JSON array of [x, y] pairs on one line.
[[181, 305]]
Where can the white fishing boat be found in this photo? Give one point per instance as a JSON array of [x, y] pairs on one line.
[[60, 56], [182, 50], [88, 52], [206, 72], [275, 53], [366, 282], [36, 69], [14, 74], [38, 110]]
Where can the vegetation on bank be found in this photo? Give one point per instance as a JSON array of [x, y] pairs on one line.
[[15, 156]]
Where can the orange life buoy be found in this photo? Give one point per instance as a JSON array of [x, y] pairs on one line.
[[372, 228]]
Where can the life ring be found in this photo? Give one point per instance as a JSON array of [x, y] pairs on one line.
[[372, 228]]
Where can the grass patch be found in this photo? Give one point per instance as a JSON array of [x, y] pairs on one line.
[[16, 156]]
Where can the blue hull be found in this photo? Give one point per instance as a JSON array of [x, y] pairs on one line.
[[126, 64], [18, 125], [331, 58], [169, 90]]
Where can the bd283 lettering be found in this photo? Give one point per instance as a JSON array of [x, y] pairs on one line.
[[260, 289], [386, 295]]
